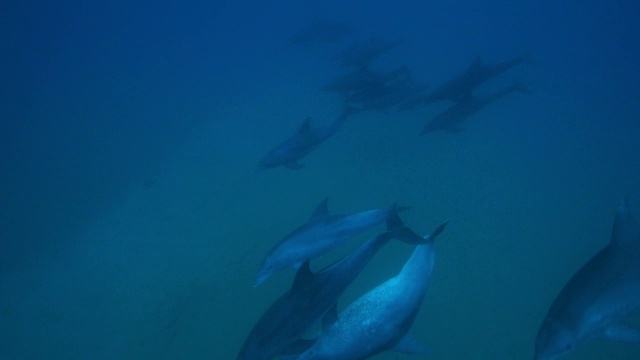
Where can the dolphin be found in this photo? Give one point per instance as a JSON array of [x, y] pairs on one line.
[[381, 319], [322, 233], [313, 294], [302, 143], [449, 119], [599, 296], [462, 86]]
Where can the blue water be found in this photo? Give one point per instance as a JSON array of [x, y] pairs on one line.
[[132, 223]]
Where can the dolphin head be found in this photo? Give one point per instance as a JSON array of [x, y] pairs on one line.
[[554, 340], [266, 270]]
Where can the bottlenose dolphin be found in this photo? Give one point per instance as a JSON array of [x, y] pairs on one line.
[[322, 233], [302, 143], [312, 295], [379, 320], [462, 86], [599, 296], [449, 119]]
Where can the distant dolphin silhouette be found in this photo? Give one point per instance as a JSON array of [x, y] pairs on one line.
[[453, 116], [302, 143], [462, 86], [596, 300], [322, 233], [312, 295], [381, 319]]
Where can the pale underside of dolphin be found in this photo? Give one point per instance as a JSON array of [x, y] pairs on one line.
[[598, 298], [381, 319]]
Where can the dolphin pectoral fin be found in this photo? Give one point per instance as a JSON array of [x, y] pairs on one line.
[[330, 317], [409, 345], [623, 333], [294, 165]]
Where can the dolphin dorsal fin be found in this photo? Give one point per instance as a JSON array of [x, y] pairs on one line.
[[321, 210], [625, 227], [330, 317], [303, 276], [305, 127]]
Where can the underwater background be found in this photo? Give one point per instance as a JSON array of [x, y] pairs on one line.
[[133, 222]]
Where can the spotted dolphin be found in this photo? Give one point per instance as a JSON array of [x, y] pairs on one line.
[[322, 233], [313, 294], [453, 116], [598, 297], [381, 319], [307, 139]]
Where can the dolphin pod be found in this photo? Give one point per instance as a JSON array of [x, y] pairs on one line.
[[593, 304], [314, 295]]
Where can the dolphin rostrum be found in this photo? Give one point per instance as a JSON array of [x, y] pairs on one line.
[[449, 119], [302, 143], [312, 295], [381, 319], [598, 297], [322, 233]]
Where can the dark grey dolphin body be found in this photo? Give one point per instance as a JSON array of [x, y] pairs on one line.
[[302, 143], [312, 295], [381, 319], [453, 116], [322, 233], [598, 297], [462, 86]]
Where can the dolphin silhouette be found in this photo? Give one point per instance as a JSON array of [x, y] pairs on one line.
[[381, 319], [462, 86], [322, 233], [313, 294], [598, 297], [449, 119], [307, 139]]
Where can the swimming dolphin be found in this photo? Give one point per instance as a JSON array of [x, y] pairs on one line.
[[379, 320], [312, 295], [597, 298], [322, 233], [449, 119], [302, 143], [462, 86]]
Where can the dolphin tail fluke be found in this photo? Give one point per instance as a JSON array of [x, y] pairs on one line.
[[400, 231], [437, 231]]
